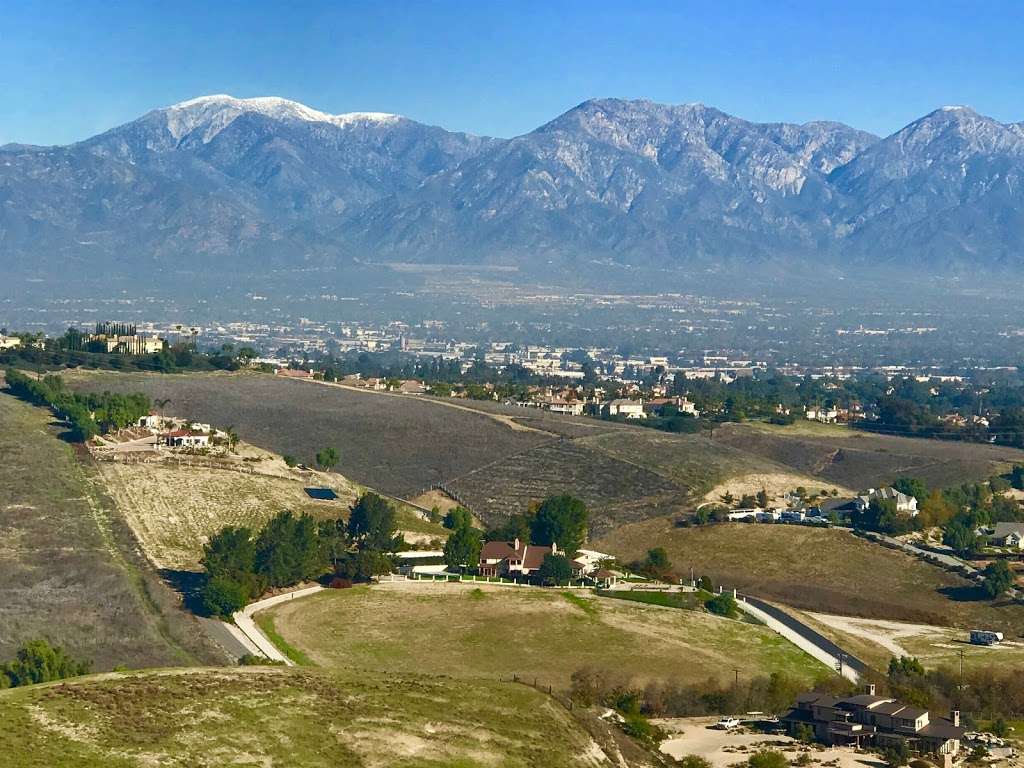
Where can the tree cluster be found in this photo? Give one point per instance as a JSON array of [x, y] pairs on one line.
[[40, 662], [241, 563]]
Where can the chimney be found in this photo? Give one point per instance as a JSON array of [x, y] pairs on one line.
[[554, 547], [955, 717], [515, 544]]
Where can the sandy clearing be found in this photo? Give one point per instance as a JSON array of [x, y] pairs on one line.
[[884, 633], [775, 483], [693, 736]]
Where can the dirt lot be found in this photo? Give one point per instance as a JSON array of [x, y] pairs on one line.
[[695, 736], [69, 569], [933, 646], [821, 570], [468, 632]]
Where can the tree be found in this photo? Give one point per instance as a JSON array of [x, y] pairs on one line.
[[656, 565], [560, 520], [768, 758], [723, 604], [290, 460], [327, 458], [960, 537], [371, 523], [288, 550], [232, 437], [457, 518], [222, 596], [692, 761], [1017, 477], [897, 754], [39, 662], [762, 498], [998, 578], [363, 565], [230, 552], [462, 550], [747, 502], [556, 569], [912, 486]]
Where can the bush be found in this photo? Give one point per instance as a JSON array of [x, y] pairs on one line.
[[221, 596], [722, 605], [693, 761], [768, 758], [339, 583], [641, 729], [40, 662]]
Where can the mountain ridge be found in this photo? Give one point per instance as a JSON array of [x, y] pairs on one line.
[[269, 183]]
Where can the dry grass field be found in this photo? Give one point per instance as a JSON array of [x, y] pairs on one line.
[[469, 632], [174, 510], [823, 570], [858, 460], [297, 718], [69, 567]]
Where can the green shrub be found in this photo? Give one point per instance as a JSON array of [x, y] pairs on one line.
[[768, 758], [221, 596]]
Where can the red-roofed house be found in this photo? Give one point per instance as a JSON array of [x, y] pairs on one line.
[[512, 558]]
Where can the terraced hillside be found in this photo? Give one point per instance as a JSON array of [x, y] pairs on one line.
[[275, 717], [860, 460], [69, 567], [494, 457]]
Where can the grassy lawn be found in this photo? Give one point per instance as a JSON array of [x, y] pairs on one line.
[[277, 717], [69, 568], [827, 571], [479, 632]]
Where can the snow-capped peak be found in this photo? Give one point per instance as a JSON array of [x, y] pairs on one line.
[[214, 113]]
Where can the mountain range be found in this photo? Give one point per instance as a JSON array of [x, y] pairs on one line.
[[219, 183]]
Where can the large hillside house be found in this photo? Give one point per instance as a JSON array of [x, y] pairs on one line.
[[867, 720], [905, 504], [513, 558]]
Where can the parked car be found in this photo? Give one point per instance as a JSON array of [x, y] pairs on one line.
[[727, 723]]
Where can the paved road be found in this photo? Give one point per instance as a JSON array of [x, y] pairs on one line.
[[244, 622], [805, 638]]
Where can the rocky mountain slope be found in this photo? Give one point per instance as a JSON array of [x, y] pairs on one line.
[[223, 183]]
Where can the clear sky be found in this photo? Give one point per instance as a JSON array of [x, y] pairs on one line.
[[69, 70]]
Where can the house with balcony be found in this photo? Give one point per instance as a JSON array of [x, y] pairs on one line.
[[871, 721]]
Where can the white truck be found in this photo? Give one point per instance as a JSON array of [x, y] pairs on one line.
[[985, 637]]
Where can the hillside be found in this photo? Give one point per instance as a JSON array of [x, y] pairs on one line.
[[275, 717], [69, 567], [497, 459], [819, 570], [465, 632], [860, 460]]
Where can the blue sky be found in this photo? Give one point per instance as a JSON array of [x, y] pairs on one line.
[[69, 70]]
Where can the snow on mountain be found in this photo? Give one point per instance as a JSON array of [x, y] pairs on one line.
[[212, 114]]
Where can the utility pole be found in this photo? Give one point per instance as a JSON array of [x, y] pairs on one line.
[[737, 673]]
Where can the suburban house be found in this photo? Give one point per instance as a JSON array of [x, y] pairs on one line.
[[867, 720], [9, 342], [1009, 535], [512, 558], [658, 405], [824, 415], [151, 421], [292, 373], [630, 409], [904, 504], [183, 438], [412, 387], [563, 406]]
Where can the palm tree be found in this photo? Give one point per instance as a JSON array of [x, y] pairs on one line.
[[232, 437]]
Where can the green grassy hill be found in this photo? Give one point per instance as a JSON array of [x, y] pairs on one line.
[[209, 718], [460, 631]]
